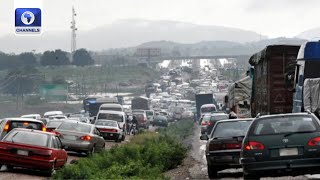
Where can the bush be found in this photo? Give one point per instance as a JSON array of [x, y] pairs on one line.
[[147, 156]]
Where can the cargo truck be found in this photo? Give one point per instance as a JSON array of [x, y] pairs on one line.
[[202, 99], [271, 92]]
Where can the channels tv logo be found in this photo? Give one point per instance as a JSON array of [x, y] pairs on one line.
[[28, 21]]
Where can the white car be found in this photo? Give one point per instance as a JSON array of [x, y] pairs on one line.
[[52, 113], [110, 130], [32, 116], [58, 117]]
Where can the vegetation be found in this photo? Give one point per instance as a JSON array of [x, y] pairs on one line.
[[54, 58], [82, 58], [147, 156]]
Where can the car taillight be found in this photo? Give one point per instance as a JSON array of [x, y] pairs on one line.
[[233, 146], [44, 128], [314, 142], [114, 130], [252, 145], [86, 138], [204, 123], [210, 123], [6, 127]]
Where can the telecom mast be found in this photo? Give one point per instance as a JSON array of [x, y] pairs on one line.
[[73, 34]]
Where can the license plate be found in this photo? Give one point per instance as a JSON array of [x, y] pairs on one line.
[[289, 152], [23, 153], [111, 134], [70, 137]]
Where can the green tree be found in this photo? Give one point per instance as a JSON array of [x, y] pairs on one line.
[[27, 59], [82, 58], [54, 58]]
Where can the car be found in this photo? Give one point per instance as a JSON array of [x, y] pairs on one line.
[[215, 118], [32, 116], [9, 124], [32, 149], [111, 107], [110, 130], [282, 144], [80, 119], [80, 137], [160, 121], [224, 145], [44, 120], [53, 124], [205, 121], [52, 113], [58, 117], [143, 121], [118, 116]]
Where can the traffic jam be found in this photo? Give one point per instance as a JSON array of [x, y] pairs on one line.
[[272, 128]]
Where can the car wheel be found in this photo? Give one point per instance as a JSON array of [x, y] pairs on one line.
[[248, 176], [93, 150], [123, 138], [9, 168], [51, 171], [212, 171]]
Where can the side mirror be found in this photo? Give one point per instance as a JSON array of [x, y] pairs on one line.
[[204, 137]]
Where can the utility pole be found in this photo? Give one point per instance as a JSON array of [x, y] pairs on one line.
[[73, 34]]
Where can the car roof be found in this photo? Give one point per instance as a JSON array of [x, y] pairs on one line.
[[31, 115], [53, 113], [111, 112], [217, 114], [23, 119], [208, 105], [280, 115], [236, 120]]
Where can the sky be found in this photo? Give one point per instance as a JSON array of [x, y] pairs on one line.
[[274, 18]]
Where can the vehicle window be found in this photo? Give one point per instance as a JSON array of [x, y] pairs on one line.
[[54, 123], [96, 132], [114, 117], [111, 108], [69, 126], [25, 124], [286, 124], [54, 143], [59, 142], [208, 109], [231, 129], [30, 138], [206, 118], [106, 123], [2, 123], [218, 118], [149, 113]]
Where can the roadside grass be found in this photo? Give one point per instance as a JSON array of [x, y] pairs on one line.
[[147, 156]]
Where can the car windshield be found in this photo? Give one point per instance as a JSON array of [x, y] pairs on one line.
[[231, 129], [25, 124], [219, 117], [54, 123], [114, 117], [29, 138], [284, 124], [206, 118], [77, 127], [111, 108], [208, 109], [106, 123]]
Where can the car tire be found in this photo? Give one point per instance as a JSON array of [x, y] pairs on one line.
[[91, 151], [51, 171], [248, 176], [9, 168], [212, 172], [123, 138]]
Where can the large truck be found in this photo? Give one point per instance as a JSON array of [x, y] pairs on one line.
[[94, 105], [307, 82], [271, 92], [202, 99], [141, 103]]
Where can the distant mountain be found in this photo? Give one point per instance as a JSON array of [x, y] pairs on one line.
[[128, 33], [211, 48], [312, 34]]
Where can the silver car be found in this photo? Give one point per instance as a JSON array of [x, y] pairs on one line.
[[80, 137]]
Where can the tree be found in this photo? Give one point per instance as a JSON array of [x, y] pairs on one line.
[[54, 58], [82, 58], [27, 59]]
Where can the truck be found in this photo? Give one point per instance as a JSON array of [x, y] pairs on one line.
[[306, 79], [94, 105], [271, 92], [141, 103], [202, 99]]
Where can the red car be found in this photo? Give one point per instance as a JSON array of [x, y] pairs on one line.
[[32, 149]]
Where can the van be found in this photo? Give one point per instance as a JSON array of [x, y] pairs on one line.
[[111, 107], [118, 116]]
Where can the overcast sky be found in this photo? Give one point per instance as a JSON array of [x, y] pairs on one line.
[[273, 18]]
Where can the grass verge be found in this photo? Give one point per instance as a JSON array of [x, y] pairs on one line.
[[147, 156]]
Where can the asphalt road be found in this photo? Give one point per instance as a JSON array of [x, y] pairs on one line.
[[199, 170]]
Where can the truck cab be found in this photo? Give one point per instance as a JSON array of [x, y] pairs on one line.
[[307, 67]]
